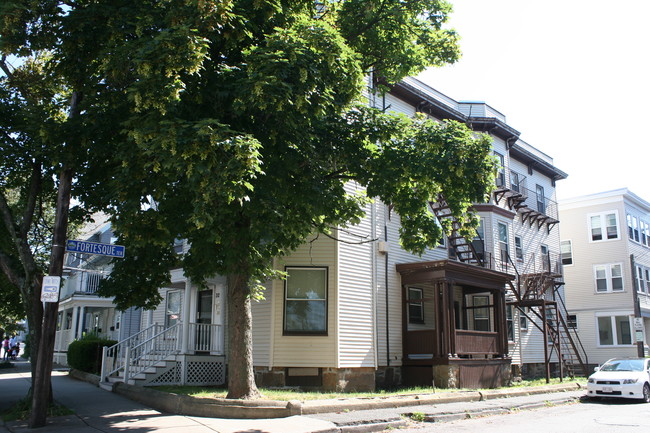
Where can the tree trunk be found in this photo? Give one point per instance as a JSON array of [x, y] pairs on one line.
[[241, 377], [41, 378]]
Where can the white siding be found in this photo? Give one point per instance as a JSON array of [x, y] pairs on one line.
[[355, 303]]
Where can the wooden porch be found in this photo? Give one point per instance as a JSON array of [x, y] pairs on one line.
[[454, 322]]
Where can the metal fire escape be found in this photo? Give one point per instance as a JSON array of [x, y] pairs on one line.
[[535, 291]]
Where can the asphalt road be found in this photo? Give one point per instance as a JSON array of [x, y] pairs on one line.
[[607, 416]]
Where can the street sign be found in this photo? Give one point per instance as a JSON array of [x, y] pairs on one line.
[[639, 336], [50, 289], [638, 323], [95, 248]]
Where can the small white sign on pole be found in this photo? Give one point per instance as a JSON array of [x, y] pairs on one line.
[[50, 290], [638, 323]]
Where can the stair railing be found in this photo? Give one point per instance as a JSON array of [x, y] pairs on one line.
[[152, 351], [113, 357]]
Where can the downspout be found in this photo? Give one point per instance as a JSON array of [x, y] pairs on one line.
[[373, 253], [386, 287]]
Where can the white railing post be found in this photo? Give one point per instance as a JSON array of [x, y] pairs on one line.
[[103, 378], [127, 361]]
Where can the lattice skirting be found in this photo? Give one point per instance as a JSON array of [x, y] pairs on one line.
[[205, 372], [201, 370]]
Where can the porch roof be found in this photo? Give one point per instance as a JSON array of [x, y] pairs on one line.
[[454, 272]]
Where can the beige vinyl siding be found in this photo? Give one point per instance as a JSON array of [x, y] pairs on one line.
[[394, 319], [262, 327], [395, 105], [307, 351], [355, 290]]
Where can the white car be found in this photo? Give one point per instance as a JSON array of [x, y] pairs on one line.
[[622, 378]]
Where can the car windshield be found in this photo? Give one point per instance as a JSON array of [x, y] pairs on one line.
[[623, 365]]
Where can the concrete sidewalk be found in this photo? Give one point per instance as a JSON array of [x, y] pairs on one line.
[[97, 410]]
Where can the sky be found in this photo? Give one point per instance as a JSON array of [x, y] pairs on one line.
[[572, 76]]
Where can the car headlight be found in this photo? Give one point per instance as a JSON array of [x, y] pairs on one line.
[[591, 380], [629, 381]]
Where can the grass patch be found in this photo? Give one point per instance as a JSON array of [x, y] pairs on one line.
[[21, 411], [287, 394]]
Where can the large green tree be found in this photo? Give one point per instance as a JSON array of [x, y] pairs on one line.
[[235, 125]]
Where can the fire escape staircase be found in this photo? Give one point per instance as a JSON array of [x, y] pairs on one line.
[[536, 297], [459, 247]]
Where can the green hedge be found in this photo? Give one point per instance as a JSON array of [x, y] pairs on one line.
[[86, 354]]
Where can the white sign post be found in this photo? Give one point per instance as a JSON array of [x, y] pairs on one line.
[[50, 290]]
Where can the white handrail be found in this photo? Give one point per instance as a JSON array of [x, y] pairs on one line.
[[113, 359], [152, 351], [206, 337]]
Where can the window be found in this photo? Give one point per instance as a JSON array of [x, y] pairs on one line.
[[546, 258], [609, 278], [572, 321], [172, 308], [645, 231], [515, 182], [479, 241], [519, 251], [416, 307], [523, 323], [481, 313], [603, 226], [567, 254], [614, 330], [640, 279], [305, 303], [501, 171], [647, 280], [503, 242], [510, 324], [633, 228], [541, 200]]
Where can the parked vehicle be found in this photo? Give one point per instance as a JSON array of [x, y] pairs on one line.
[[621, 378]]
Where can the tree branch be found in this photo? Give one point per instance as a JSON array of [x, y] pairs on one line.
[[34, 189], [8, 270]]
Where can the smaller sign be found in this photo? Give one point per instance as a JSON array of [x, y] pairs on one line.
[[638, 323], [50, 289], [639, 336]]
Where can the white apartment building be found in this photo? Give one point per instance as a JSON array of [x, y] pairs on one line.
[[606, 257]]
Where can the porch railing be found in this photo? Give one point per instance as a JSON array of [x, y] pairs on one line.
[[477, 343], [152, 351], [206, 338], [113, 359]]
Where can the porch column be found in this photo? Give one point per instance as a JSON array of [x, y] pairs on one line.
[[80, 324], [500, 319], [451, 320], [75, 320], [186, 317]]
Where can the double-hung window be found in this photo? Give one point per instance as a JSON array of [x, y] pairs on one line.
[[603, 226], [503, 242], [647, 280], [633, 228], [519, 250], [640, 279], [501, 170], [510, 323], [481, 313], [609, 278], [614, 330], [305, 301], [515, 183], [572, 321], [416, 307], [541, 200], [566, 252]]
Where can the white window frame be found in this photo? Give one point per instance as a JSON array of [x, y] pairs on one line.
[[416, 302], [609, 278], [602, 216], [523, 322], [519, 248], [613, 316], [510, 323], [307, 298], [647, 280], [570, 243], [640, 279], [633, 232], [541, 198], [168, 313], [501, 243], [500, 178]]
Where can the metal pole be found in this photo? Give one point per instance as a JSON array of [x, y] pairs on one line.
[[637, 306]]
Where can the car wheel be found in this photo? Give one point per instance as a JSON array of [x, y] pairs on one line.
[[646, 393]]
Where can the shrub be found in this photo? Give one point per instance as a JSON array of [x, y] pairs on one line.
[[86, 354]]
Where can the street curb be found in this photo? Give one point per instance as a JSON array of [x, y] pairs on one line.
[[255, 409]]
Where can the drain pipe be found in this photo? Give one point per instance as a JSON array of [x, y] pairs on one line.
[[386, 287]]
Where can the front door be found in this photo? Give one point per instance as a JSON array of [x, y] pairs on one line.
[[204, 320]]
